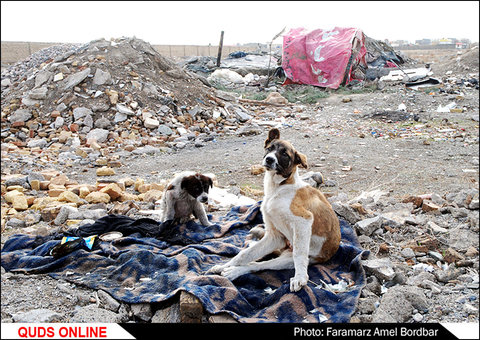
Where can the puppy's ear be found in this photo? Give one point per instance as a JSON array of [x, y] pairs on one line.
[[301, 159], [207, 180], [210, 182], [272, 135]]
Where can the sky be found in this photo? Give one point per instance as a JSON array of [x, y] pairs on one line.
[[200, 22]]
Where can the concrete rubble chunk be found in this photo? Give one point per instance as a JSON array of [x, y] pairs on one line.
[[102, 77], [398, 304], [99, 134], [381, 268], [369, 225], [92, 313], [21, 115], [76, 78], [81, 112], [124, 109], [41, 315]]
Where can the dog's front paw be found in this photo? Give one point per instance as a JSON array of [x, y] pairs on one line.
[[232, 272], [217, 269], [297, 282]]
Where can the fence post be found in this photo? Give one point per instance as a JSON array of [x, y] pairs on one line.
[[220, 50]]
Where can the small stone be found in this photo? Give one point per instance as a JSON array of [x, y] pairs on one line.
[[38, 93], [37, 143], [35, 184], [152, 195], [83, 192], [63, 214], [19, 202], [102, 123], [164, 130], [474, 205], [125, 110], [417, 317], [16, 223], [407, 253], [100, 135], [369, 225], [108, 301], [381, 268], [435, 255], [113, 190], [97, 197], [105, 171], [120, 117], [59, 180], [20, 115], [81, 112], [151, 123], [143, 311], [68, 196]]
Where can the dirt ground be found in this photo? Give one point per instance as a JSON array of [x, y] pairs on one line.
[[342, 137]]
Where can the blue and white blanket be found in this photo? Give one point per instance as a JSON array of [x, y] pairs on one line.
[[141, 269]]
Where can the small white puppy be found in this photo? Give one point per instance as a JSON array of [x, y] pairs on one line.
[[184, 196]]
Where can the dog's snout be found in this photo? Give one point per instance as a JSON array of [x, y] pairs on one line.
[[269, 160], [203, 198]]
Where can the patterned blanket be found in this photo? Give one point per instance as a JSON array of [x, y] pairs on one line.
[[138, 269]]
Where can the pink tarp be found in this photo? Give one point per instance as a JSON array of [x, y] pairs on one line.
[[321, 57]]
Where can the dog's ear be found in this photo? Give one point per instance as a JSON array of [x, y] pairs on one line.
[[272, 135], [210, 181], [206, 180], [301, 159]]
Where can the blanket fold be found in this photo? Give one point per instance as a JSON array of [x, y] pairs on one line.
[[139, 268]]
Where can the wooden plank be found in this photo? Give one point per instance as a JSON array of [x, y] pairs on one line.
[[191, 310], [220, 46]]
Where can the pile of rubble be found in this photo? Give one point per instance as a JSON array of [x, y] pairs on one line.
[[104, 93], [423, 255]]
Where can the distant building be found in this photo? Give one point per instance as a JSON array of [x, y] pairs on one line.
[[423, 42], [445, 41]]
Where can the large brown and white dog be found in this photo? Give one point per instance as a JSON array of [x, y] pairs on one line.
[[294, 213], [184, 196]]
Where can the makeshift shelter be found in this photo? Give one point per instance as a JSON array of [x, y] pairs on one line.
[[326, 58]]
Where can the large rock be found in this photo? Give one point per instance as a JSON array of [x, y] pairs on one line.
[[42, 77], [75, 79], [37, 316], [102, 77], [398, 303], [92, 313]]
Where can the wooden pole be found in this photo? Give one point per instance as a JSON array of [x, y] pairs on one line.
[[220, 46]]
